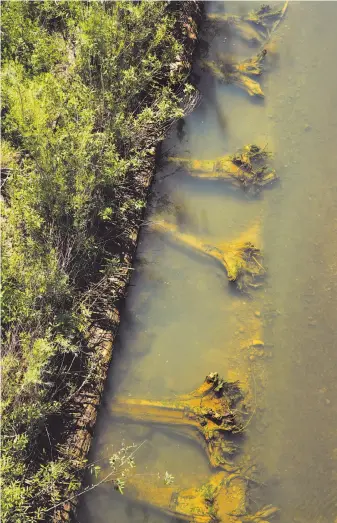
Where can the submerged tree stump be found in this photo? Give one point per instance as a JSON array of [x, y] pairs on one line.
[[229, 72], [216, 500], [241, 259], [256, 27], [222, 499], [206, 414], [247, 168]]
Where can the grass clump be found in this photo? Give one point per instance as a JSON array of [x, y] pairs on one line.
[[89, 89]]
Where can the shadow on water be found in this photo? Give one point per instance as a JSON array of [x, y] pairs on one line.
[[217, 187]]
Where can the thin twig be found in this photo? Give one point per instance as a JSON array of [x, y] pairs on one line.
[[276, 24], [257, 263], [93, 486]]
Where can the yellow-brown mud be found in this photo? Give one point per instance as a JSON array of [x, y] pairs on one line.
[[241, 258]]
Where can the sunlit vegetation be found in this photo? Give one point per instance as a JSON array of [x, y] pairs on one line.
[[89, 90]]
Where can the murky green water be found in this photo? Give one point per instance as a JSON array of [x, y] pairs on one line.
[[182, 320]]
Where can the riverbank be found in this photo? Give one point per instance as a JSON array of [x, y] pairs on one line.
[[86, 100]]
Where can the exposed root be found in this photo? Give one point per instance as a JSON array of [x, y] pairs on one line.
[[206, 413], [247, 168], [251, 66], [243, 266], [253, 170]]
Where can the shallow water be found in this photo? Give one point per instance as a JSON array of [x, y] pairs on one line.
[[182, 319]]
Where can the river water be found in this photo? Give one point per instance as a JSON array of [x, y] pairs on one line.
[[182, 320]]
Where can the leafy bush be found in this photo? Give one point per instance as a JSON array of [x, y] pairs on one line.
[[89, 89]]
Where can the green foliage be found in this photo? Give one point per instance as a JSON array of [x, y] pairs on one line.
[[89, 89]]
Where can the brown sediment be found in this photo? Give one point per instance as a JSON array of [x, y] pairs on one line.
[[247, 168], [241, 259], [207, 414]]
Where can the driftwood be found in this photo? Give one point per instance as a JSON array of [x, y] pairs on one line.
[[206, 414], [241, 259], [247, 168]]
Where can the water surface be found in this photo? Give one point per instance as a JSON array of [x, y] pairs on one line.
[[182, 320]]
